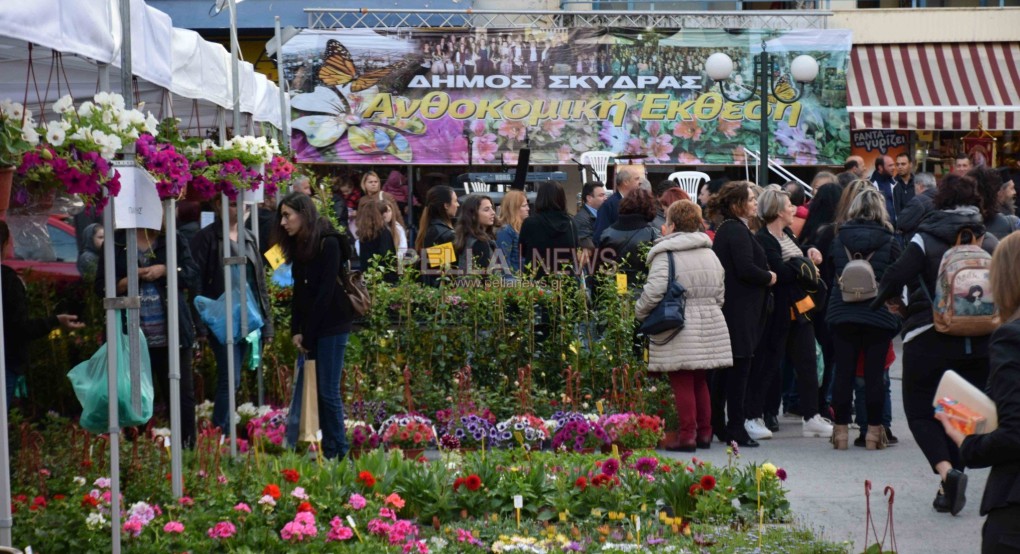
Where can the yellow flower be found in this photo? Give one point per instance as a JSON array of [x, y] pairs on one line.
[[771, 469]]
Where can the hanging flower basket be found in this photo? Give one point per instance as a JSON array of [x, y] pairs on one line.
[[76, 151]]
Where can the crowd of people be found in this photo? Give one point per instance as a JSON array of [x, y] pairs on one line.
[[780, 317]]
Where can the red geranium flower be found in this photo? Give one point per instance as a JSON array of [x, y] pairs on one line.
[[291, 475], [367, 479], [473, 482], [89, 501], [305, 507], [457, 483], [581, 483], [694, 490], [707, 482], [58, 497], [665, 468], [272, 490]]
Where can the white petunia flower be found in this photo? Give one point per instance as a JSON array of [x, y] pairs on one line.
[[55, 134], [86, 109], [64, 105], [151, 125]]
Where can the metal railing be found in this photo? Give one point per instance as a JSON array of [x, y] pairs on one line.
[[344, 18], [777, 168]]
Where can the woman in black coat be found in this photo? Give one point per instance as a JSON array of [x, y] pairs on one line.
[[1000, 449], [474, 240], [435, 228], [747, 281], [548, 238], [788, 332], [858, 331], [152, 289], [321, 313], [375, 238]]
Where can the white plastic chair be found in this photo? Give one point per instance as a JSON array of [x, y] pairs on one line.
[[689, 181], [598, 161], [473, 186]]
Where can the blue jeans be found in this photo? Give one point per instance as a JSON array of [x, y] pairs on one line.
[[329, 366], [11, 381], [221, 405], [861, 407]]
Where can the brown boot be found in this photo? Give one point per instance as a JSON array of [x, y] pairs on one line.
[[876, 439], [840, 436]]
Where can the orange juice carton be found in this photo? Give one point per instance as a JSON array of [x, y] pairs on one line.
[[962, 417]]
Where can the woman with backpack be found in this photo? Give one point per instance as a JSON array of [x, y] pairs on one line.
[[321, 312], [1000, 449], [863, 250], [704, 342], [788, 329], [927, 351]]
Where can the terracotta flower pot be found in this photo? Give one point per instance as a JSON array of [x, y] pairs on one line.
[[6, 180], [413, 453]]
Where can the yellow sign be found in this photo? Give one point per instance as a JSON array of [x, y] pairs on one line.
[[441, 255], [275, 256], [621, 283]]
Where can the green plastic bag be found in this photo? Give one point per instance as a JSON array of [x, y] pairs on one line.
[[89, 380]]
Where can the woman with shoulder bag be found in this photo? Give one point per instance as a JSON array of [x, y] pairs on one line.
[[857, 331], [788, 332], [321, 312], [703, 343], [747, 283]]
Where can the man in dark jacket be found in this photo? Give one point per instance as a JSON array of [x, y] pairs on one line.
[[593, 195], [883, 178], [903, 190], [627, 180], [919, 206]]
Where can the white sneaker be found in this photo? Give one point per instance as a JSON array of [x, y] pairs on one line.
[[757, 430], [818, 426]]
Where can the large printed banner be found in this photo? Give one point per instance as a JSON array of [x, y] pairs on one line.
[[477, 96]]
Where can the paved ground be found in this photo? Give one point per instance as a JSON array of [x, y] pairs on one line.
[[827, 486]]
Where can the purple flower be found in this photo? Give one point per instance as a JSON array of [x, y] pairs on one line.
[[610, 467], [646, 465]]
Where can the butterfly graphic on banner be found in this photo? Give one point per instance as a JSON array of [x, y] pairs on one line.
[[340, 111], [338, 69]]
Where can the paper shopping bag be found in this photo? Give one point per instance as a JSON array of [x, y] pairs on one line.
[[308, 424]]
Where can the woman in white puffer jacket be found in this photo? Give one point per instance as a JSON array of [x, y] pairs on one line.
[[704, 342]]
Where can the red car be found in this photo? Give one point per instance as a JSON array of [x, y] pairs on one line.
[[37, 259]]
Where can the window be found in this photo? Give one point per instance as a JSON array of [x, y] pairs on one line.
[[65, 247]]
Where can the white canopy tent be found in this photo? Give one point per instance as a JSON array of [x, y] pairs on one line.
[[84, 34]]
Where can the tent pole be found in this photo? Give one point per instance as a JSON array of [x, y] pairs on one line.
[[243, 266], [173, 332], [284, 112]]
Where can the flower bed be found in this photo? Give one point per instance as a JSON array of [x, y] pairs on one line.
[[381, 502]]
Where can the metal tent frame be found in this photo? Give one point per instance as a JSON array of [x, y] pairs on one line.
[[322, 18]]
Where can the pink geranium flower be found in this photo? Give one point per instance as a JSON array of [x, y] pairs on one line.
[[173, 527], [222, 530]]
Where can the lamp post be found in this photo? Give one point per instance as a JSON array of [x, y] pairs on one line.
[[804, 69]]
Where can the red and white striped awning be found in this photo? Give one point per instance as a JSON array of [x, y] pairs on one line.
[[938, 87]]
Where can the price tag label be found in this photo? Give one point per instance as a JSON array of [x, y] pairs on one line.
[[318, 435], [599, 407], [166, 442], [621, 283], [518, 501], [223, 439], [616, 452]]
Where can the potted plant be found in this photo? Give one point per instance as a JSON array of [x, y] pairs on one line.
[[531, 430], [361, 437], [17, 136], [580, 436], [633, 431], [411, 433], [470, 431]]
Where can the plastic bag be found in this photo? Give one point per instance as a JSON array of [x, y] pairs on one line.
[[214, 313], [282, 276], [89, 380]]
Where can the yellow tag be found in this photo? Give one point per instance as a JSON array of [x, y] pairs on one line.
[[519, 437], [597, 512], [598, 406], [275, 256], [563, 516], [616, 452], [644, 508], [621, 283], [441, 255]]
